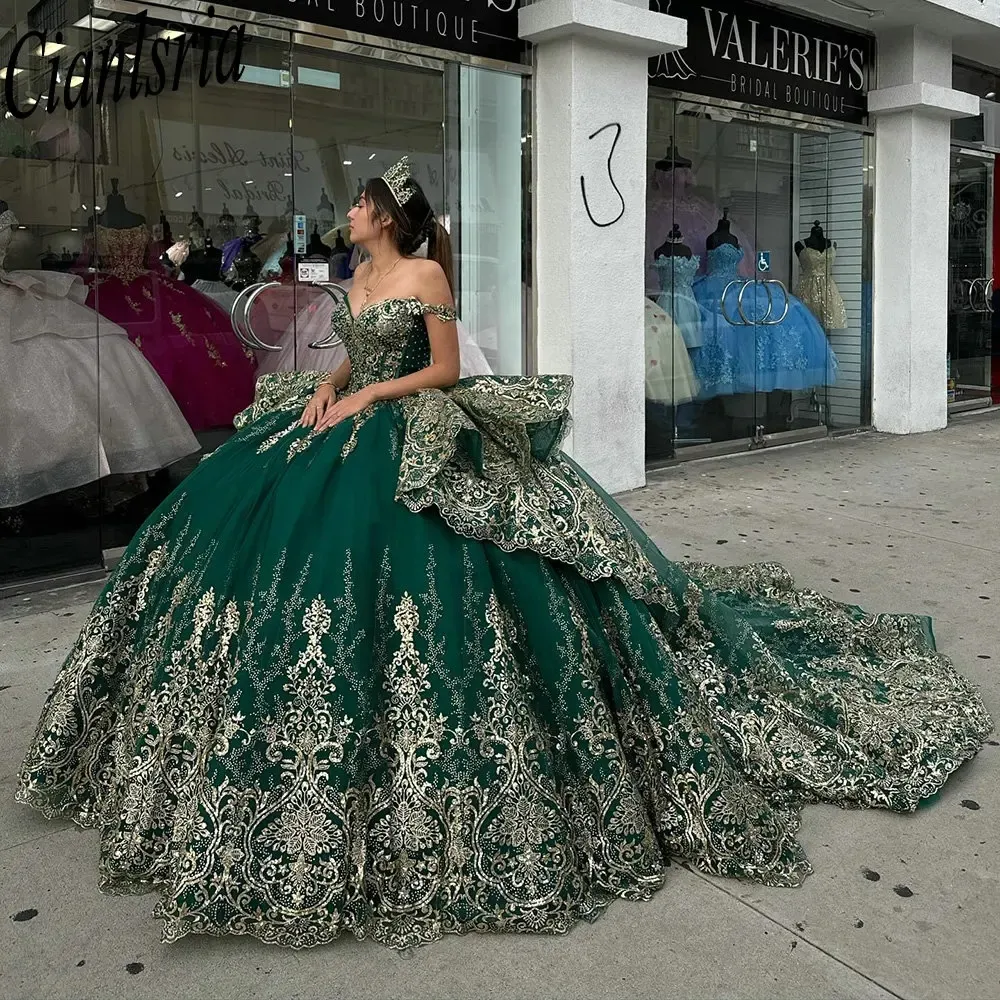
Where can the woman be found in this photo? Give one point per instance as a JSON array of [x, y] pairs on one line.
[[393, 664]]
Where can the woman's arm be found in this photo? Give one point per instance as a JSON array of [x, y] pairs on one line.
[[445, 366], [325, 396], [339, 377]]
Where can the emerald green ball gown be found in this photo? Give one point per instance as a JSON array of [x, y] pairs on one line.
[[419, 675]]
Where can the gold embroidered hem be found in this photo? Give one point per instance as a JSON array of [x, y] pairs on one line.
[[302, 707]]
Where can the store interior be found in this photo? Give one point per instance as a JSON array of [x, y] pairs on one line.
[[130, 227], [757, 295]]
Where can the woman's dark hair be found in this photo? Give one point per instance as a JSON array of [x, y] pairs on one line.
[[412, 223]]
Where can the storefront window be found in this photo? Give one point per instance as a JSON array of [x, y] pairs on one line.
[[757, 316], [137, 219], [492, 295]]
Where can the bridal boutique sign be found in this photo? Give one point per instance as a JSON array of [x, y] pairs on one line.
[[479, 27], [110, 73], [746, 52], [219, 168]]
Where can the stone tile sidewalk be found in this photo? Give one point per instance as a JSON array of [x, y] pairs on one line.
[[899, 906]]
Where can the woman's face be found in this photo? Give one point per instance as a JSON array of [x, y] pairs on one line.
[[364, 228]]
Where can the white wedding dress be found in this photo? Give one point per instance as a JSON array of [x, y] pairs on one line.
[[78, 401]]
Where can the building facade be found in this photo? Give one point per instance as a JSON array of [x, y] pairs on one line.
[[735, 224]]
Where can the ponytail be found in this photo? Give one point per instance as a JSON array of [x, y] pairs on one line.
[[439, 249]]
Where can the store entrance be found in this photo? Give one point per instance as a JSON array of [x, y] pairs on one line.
[[971, 297], [753, 279], [187, 233]]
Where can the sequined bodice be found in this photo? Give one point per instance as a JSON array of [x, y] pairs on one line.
[[387, 339], [122, 252], [724, 260], [676, 273], [817, 263]]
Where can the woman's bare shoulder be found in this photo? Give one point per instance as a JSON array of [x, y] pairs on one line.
[[429, 282]]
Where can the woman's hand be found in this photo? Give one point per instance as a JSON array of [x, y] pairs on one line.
[[346, 407], [322, 399]]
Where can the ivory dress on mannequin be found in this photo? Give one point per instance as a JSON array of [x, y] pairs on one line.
[[58, 382], [670, 378]]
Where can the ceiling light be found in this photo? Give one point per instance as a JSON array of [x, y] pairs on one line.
[[77, 81], [170, 34], [97, 23], [991, 95], [347, 163], [49, 49], [372, 157], [288, 175], [73, 229], [17, 72], [179, 194], [248, 182]]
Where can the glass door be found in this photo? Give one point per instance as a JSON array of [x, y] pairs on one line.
[[195, 188], [970, 266], [742, 270], [351, 119]]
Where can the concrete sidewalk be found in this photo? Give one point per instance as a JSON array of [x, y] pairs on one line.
[[899, 906]]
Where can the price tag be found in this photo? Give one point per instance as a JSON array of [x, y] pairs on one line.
[[312, 272], [299, 235]]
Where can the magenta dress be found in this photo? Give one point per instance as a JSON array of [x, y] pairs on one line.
[[186, 336]]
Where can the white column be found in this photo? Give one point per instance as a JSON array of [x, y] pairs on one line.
[[591, 72], [913, 107]]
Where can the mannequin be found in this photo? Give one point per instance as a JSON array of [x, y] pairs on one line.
[[317, 248], [204, 263], [168, 236], [816, 240], [673, 246], [816, 285], [672, 159], [325, 210], [116, 214], [722, 234], [227, 225]]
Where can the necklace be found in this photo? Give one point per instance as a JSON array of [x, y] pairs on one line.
[[371, 288]]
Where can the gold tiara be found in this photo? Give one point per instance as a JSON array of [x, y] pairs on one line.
[[397, 178]]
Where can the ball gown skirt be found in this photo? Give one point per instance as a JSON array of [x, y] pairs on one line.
[[419, 675], [79, 401], [750, 353], [185, 335], [670, 378]]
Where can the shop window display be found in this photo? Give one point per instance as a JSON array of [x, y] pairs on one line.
[[131, 227], [761, 340]]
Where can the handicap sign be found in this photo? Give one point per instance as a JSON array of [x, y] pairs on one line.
[[763, 260]]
